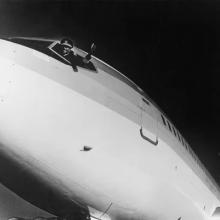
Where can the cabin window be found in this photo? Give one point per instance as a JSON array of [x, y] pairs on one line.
[[164, 121], [169, 126], [174, 131], [182, 140], [146, 101], [178, 136]]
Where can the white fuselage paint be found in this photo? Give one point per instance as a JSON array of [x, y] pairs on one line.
[[48, 113]]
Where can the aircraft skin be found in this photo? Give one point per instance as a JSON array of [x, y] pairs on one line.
[[92, 144], [12, 205]]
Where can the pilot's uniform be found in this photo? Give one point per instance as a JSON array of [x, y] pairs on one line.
[[68, 52]]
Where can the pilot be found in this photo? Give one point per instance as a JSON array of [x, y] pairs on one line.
[[67, 46], [68, 52]]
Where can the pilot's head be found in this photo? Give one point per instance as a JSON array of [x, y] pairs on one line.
[[67, 42], [67, 46]]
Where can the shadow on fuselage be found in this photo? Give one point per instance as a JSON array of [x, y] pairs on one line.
[[20, 180]]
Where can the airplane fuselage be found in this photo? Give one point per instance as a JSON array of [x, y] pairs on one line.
[[74, 141]]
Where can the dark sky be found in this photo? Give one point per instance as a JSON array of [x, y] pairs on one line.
[[169, 48]]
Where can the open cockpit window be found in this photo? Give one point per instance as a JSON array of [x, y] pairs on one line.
[[69, 55], [56, 50]]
